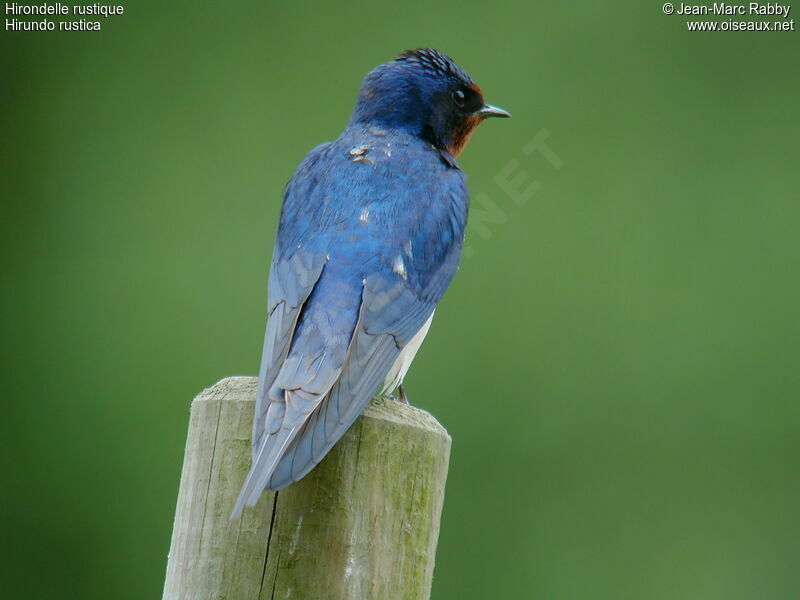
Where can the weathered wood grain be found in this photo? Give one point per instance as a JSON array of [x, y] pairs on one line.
[[363, 524]]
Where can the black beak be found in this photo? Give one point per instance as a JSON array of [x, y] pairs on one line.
[[487, 110]]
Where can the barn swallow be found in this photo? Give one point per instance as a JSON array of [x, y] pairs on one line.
[[369, 238]]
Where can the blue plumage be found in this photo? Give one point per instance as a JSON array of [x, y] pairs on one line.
[[369, 238]]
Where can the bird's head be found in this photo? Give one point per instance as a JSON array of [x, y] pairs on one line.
[[427, 94]]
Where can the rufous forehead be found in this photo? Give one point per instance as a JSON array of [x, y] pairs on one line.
[[477, 89]]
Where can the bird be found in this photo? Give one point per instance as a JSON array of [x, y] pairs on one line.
[[369, 237]]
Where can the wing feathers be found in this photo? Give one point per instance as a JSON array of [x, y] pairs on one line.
[[338, 410], [263, 466], [312, 402], [290, 284]]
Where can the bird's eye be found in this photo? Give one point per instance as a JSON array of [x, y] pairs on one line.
[[458, 98]]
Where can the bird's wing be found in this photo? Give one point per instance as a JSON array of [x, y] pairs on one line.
[[304, 350], [294, 272], [348, 336], [291, 281], [390, 315]]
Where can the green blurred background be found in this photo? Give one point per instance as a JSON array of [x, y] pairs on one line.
[[617, 360]]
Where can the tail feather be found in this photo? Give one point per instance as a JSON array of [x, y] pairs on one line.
[[262, 469]]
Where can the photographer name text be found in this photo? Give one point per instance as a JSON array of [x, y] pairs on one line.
[[722, 8]]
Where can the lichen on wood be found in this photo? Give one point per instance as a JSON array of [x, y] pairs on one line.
[[363, 524]]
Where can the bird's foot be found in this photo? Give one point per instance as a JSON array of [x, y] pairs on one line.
[[401, 395]]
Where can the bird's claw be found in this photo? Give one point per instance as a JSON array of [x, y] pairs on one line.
[[401, 395]]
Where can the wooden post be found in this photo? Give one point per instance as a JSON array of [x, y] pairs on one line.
[[363, 524]]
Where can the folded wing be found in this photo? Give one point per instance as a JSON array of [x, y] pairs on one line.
[[344, 336]]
